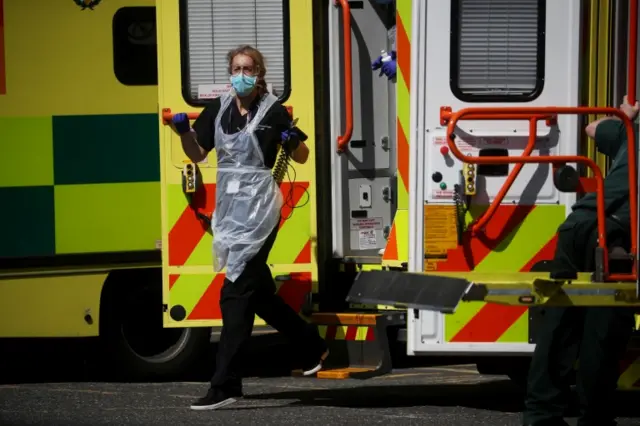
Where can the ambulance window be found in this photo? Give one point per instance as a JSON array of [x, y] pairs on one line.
[[210, 28], [135, 55], [497, 50]]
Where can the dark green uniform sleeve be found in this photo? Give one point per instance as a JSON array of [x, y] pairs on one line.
[[610, 134]]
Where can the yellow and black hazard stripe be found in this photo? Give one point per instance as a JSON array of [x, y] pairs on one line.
[[358, 343]]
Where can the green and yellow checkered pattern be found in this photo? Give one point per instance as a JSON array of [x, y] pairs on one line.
[[79, 184], [79, 153]]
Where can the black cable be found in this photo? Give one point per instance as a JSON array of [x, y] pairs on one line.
[[282, 167], [290, 196], [461, 207]]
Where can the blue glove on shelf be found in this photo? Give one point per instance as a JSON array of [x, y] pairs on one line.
[[181, 123], [377, 64], [389, 69]]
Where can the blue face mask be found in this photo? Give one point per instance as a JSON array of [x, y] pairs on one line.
[[243, 84]]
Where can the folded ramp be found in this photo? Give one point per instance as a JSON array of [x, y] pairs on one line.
[[444, 291], [414, 291]]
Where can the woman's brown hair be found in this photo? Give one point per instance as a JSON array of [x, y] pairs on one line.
[[258, 62]]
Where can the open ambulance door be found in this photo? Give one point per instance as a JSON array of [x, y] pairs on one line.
[[495, 100], [194, 37], [366, 188]]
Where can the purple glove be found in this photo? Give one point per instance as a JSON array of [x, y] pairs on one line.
[[377, 64], [389, 69], [290, 140], [181, 123]]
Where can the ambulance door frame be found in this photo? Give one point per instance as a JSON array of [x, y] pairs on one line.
[[336, 120]]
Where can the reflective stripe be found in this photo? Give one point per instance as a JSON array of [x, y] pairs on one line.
[[347, 332], [516, 238], [190, 239], [403, 83], [199, 294]]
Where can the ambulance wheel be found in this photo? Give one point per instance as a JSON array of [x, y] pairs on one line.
[[138, 345]]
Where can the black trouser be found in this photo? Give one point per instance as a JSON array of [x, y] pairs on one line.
[[254, 292], [596, 336]]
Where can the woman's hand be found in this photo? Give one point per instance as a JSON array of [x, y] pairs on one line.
[[181, 123], [291, 141]]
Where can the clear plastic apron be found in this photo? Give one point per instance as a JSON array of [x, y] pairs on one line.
[[248, 200]]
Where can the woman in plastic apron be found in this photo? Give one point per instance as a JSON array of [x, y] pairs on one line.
[[246, 219]]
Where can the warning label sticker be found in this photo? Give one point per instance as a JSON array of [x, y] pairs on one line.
[[463, 146], [439, 193], [367, 239], [212, 91], [431, 265], [366, 223], [440, 232]]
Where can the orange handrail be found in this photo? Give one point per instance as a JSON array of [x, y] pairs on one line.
[[167, 115], [533, 113], [343, 140], [481, 222]]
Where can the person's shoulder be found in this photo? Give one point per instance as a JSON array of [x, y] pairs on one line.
[[610, 130], [214, 104], [280, 111], [610, 126], [277, 114]]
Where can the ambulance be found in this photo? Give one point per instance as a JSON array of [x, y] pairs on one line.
[[80, 232], [122, 215], [383, 189]]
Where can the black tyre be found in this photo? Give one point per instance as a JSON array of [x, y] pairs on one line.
[[139, 347]]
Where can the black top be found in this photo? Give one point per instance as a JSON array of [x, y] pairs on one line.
[[611, 140], [275, 121]]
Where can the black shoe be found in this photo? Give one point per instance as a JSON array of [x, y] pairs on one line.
[[215, 399], [314, 364]]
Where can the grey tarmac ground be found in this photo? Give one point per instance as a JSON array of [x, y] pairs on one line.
[[56, 385]]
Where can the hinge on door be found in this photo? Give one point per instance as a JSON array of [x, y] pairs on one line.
[[384, 142], [386, 231], [416, 314]]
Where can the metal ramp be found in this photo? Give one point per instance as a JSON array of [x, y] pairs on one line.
[[442, 292]]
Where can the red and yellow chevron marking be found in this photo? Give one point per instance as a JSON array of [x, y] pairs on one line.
[[403, 52], [190, 242], [397, 249], [199, 294], [347, 332], [3, 75], [515, 239]]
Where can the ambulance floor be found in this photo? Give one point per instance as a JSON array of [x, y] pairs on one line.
[[62, 392]]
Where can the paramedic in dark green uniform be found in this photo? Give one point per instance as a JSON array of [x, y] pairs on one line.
[[596, 336]]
